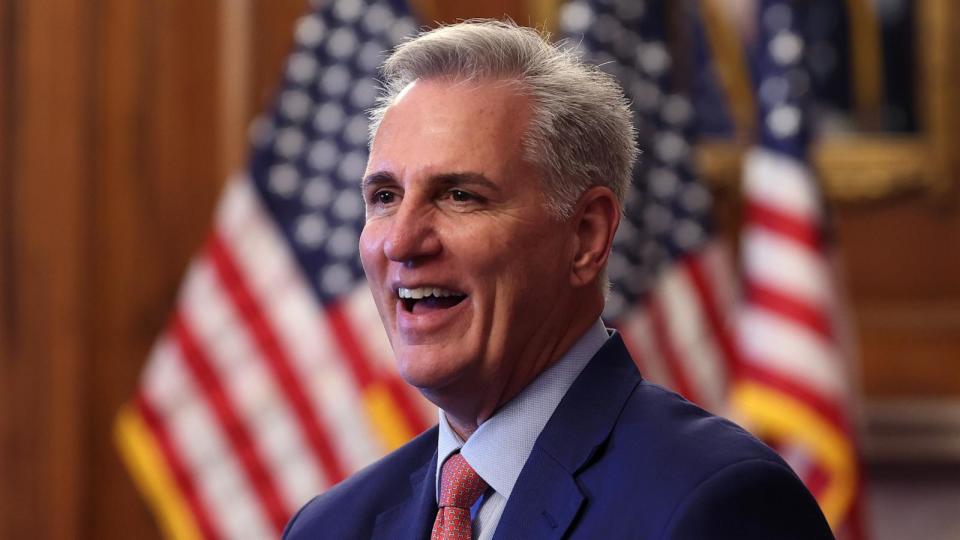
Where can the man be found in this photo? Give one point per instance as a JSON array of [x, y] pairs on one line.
[[497, 172]]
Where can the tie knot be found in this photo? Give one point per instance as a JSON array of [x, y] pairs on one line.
[[460, 485]]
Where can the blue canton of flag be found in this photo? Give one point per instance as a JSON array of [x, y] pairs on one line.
[[311, 154]]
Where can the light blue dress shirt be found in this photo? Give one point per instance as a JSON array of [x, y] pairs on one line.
[[499, 448]]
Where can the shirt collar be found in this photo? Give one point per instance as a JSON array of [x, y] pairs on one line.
[[518, 423]]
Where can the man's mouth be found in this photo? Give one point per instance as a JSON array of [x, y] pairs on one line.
[[420, 299]]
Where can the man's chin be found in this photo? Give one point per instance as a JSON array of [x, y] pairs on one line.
[[431, 376]]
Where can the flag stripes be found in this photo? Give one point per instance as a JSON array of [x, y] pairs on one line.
[[301, 323], [228, 330], [699, 269], [775, 300], [144, 423], [692, 349], [245, 446], [316, 433], [679, 378]]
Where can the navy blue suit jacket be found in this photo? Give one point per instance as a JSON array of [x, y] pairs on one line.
[[620, 458]]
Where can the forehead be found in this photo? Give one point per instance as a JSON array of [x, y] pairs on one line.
[[452, 125]]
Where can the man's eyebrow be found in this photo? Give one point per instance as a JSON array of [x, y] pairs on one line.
[[448, 180], [465, 179], [376, 179]]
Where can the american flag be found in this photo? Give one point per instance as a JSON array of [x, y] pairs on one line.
[[672, 293], [793, 387], [274, 379]]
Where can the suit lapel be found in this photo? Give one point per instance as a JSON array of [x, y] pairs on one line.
[[414, 517], [546, 499]]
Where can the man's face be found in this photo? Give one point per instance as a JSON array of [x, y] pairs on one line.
[[468, 268]]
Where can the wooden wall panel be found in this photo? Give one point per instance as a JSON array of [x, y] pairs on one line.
[[158, 176], [43, 461], [902, 265]]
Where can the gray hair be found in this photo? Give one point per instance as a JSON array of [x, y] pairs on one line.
[[581, 131]]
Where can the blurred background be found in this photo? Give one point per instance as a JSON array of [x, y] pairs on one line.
[[122, 120]]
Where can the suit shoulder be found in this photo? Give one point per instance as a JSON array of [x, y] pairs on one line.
[[749, 499], [685, 464], [352, 504], [666, 424]]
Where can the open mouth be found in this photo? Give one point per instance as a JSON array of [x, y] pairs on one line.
[[421, 299]]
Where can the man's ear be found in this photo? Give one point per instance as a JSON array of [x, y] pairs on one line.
[[595, 222]]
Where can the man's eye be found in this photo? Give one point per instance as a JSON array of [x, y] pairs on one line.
[[459, 195], [383, 197]]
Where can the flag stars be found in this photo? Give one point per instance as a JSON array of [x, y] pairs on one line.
[[370, 55], [335, 81], [302, 68], [289, 143], [688, 234], [695, 198], [295, 105], [357, 130], [785, 48], [670, 147], [401, 30], [378, 18], [576, 17], [318, 192], [310, 31], [336, 279], [342, 43], [348, 206], [348, 11], [310, 231], [677, 111], [284, 180], [352, 166], [323, 155], [654, 59], [784, 121], [664, 182], [363, 95], [342, 243], [329, 118]]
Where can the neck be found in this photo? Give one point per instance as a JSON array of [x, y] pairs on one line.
[[466, 415]]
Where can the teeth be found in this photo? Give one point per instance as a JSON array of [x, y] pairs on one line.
[[423, 292]]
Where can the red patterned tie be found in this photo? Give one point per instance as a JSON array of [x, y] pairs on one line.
[[460, 487]]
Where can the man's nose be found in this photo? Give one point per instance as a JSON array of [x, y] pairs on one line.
[[412, 236]]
